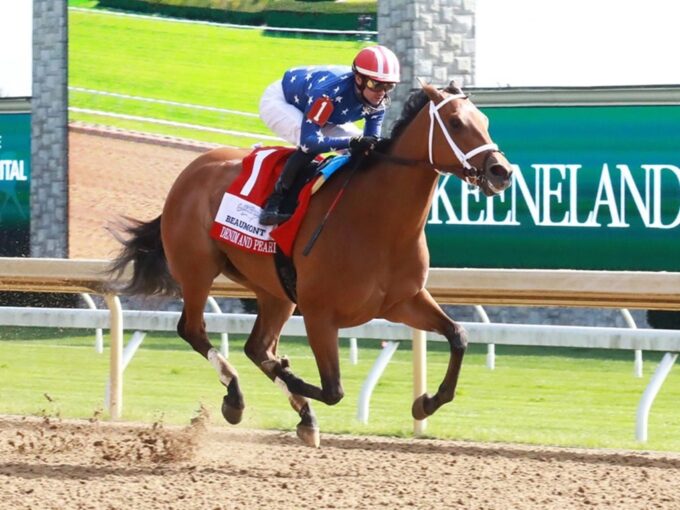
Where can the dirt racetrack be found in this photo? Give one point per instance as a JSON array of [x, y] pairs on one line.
[[112, 177], [49, 464]]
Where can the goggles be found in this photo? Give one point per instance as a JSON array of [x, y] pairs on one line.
[[380, 86]]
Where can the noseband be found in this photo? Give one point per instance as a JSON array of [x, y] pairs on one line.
[[471, 173]]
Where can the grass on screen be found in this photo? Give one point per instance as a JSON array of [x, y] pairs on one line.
[[187, 63], [567, 397]]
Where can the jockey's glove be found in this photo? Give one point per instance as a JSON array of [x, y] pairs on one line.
[[363, 144]]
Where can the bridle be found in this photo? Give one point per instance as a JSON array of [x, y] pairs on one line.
[[471, 174]]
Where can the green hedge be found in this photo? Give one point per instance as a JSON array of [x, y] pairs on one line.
[[284, 13]]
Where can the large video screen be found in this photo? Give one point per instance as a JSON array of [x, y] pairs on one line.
[[16, 53], [575, 43], [16, 63]]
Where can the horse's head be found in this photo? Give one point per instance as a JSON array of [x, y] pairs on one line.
[[459, 141]]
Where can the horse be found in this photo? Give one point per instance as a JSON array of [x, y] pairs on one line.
[[370, 261]]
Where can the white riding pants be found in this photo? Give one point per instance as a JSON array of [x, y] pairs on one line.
[[285, 120]]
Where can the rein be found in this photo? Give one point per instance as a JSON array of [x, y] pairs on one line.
[[397, 160], [317, 232]]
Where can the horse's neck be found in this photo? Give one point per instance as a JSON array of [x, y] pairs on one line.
[[408, 189], [412, 143]]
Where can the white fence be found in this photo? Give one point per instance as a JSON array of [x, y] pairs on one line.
[[465, 286], [164, 122]]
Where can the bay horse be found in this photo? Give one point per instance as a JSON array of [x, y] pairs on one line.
[[370, 261]]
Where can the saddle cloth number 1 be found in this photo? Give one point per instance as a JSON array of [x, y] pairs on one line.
[[255, 172]]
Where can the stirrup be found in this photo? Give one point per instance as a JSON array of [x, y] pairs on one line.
[[271, 214], [273, 217]]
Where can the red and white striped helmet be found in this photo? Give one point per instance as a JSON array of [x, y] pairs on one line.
[[378, 63]]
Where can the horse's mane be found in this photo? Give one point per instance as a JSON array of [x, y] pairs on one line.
[[415, 102]]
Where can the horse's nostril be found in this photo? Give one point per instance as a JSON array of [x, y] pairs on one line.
[[500, 171]]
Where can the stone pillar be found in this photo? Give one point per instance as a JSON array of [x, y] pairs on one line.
[[434, 40], [49, 150]]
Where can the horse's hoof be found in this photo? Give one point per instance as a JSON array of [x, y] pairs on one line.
[[232, 414], [418, 408], [309, 435]]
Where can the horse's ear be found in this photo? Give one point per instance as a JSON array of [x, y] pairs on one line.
[[432, 92], [454, 88]]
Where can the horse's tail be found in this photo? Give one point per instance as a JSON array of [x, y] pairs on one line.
[[143, 246]]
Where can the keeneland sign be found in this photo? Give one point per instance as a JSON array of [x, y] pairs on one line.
[[550, 194], [595, 187]]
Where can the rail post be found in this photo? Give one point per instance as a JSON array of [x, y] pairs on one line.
[[419, 339], [116, 356]]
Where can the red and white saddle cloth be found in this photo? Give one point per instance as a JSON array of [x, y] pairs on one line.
[[237, 220]]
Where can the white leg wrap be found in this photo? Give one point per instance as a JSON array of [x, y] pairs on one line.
[[224, 370], [296, 401]]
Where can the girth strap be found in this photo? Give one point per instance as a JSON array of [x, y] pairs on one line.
[[285, 269]]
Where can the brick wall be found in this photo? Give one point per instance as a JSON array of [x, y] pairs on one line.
[[434, 40], [49, 151]]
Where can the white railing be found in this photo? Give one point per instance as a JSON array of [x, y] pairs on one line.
[[483, 333], [463, 286], [165, 122], [151, 100], [185, 125]]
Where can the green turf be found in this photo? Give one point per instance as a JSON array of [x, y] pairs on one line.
[[83, 3], [568, 397], [186, 63]]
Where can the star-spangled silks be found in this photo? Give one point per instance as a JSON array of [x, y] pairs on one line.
[[303, 86]]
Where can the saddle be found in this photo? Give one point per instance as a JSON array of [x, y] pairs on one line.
[[237, 220], [290, 201], [319, 171]]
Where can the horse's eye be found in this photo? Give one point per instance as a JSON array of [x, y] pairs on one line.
[[455, 123]]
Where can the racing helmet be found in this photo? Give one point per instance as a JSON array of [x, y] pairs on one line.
[[377, 63]]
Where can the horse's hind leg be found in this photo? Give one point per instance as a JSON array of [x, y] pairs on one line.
[[191, 327], [422, 312], [261, 348]]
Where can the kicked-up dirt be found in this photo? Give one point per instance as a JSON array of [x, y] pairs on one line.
[[53, 464]]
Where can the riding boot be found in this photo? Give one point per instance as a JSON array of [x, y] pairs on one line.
[[271, 214]]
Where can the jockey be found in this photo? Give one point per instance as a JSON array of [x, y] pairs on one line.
[[315, 107]]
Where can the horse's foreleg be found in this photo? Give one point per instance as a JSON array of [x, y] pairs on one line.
[[323, 339], [308, 429], [422, 312], [261, 348]]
